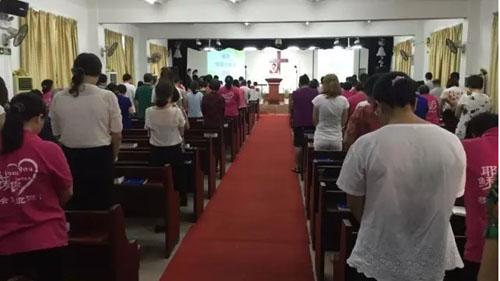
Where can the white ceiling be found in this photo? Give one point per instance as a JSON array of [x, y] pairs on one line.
[[222, 11]]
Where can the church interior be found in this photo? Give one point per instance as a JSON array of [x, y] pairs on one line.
[[232, 140]]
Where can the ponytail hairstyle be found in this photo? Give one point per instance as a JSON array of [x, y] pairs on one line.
[[229, 82], [165, 91], [396, 89], [331, 86], [4, 94], [21, 109], [47, 85], [86, 64]]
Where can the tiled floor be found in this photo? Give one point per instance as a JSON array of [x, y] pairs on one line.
[[153, 263]]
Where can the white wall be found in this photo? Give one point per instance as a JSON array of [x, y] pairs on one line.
[[83, 11]]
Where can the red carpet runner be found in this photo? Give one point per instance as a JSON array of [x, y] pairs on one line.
[[254, 228]]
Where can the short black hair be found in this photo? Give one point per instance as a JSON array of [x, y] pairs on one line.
[[395, 89], [148, 78], [474, 82], [122, 89], [370, 83], [127, 77], [423, 90], [428, 76], [165, 91], [304, 80], [103, 79], [455, 76], [236, 83], [481, 123], [112, 87], [314, 84], [451, 83], [346, 86], [214, 85], [194, 86]]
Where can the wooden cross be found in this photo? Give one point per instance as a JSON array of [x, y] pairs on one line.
[[276, 64]]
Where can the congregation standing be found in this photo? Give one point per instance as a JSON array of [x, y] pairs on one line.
[[368, 118]]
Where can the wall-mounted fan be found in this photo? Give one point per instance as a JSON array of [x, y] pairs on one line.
[[154, 58], [404, 55], [12, 33], [108, 51], [455, 46]]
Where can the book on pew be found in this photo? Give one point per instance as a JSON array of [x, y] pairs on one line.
[[129, 145], [459, 211], [131, 181], [343, 207]]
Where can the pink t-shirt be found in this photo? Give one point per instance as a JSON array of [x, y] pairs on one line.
[[350, 93], [354, 100], [243, 100], [31, 217], [433, 113], [482, 166], [47, 98], [232, 98]]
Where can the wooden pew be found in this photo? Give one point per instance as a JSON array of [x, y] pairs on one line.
[[231, 136], [156, 199], [98, 247], [194, 177], [348, 234], [206, 148], [217, 136]]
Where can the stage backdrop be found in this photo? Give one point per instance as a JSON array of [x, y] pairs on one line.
[[287, 64]]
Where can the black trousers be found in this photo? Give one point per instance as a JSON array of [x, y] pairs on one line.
[[161, 155], [43, 265], [92, 170]]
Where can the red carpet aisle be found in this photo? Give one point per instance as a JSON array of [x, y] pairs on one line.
[[254, 228]]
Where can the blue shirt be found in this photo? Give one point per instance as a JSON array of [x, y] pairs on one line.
[[125, 105], [194, 105], [422, 107]]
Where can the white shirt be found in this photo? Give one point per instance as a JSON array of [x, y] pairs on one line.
[[330, 117], [410, 175], [452, 95], [87, 120], [130, 93], [254, 95], [2, 110], [163, 125], [473, 105], [429, 84]]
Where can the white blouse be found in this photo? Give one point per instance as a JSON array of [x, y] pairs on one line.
[[88, 120], [410, 175], [163, 124]]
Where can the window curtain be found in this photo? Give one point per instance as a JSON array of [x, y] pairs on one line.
[[442, 61], [156, 67], [400, 64], [49, 49], [493, 77], [116, 62], [129, 56]]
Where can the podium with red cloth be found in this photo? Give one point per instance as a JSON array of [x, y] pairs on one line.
[[274, 90]]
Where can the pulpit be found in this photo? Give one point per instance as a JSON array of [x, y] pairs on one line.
[[274, 90]]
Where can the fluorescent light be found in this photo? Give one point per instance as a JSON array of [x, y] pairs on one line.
[[152, 2], [307, 23], [312, 48], [337, 45], [293, 48], [249, 49], [246, 23], [208, 49], [357, 47]]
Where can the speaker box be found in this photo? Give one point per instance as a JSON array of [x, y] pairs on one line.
[[14, 7]]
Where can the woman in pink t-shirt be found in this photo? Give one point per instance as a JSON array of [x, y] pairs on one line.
[[433, 115], [231, 97], [47, 86], [35, 181]]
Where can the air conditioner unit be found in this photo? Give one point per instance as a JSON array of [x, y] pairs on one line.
[[112, 77], [22, 84]]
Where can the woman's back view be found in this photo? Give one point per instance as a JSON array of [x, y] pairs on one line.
[[402, 181]]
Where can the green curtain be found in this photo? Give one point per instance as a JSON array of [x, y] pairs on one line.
[[400, 64], [442, 61], [49, 49], [116, 62], [493, 77], [156, 67]]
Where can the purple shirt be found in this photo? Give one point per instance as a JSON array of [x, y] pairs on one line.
[[303, 107]]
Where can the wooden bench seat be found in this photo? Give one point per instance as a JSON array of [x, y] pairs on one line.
[[156, 199], [98, 247]]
